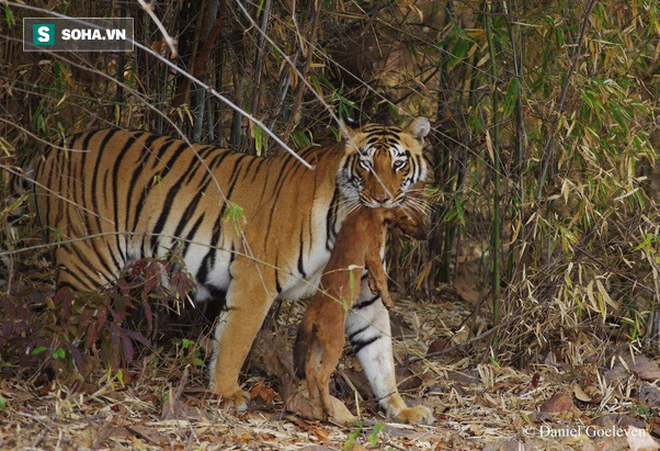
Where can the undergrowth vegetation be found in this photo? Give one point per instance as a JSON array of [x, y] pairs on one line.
[[544, 142]]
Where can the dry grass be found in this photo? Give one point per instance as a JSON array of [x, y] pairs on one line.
[[162, 403]]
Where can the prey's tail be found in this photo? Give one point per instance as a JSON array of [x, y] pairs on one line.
[[301, 349]]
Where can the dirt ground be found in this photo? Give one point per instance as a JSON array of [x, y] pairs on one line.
[[162, 404]]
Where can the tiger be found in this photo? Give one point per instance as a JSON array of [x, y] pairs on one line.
[[249, 229]]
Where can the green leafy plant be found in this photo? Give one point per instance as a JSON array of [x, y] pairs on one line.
[[193, 355], [373, 436], [353, 436]]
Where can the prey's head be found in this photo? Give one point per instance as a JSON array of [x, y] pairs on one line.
[[412, 222]]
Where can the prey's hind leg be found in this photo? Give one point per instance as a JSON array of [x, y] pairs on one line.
[[334, 344], [313, 387], [249, 296]]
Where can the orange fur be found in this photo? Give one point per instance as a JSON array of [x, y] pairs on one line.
[[321, 334]]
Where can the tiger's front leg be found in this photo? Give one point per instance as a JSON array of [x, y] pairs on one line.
[[249, 296], [368, 329]]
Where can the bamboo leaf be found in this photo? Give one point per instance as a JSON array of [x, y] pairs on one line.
[[606, 297], [511, 96], [459, 210], [489, 147], [423, 273]]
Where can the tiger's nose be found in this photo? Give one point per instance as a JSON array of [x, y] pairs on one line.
[[381, 199]]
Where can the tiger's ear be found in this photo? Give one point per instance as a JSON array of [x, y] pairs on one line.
[[349, 127], [418, 128]]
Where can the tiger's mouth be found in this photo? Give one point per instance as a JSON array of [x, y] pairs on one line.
[[374, 204], [370, 202]]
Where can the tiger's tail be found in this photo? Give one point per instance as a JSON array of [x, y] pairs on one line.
[[19, 183], [16, 183]]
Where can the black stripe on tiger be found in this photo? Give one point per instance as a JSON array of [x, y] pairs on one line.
[[169, 200], [331, 221], [134, 180], [191, 235], [301, 249], [359, 345], [355, 333], [279, 183], [132, 139], [95, 196], [365, 304]]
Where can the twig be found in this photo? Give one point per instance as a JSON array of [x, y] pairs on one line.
[[171, 43], [479, 337], [231, 104]]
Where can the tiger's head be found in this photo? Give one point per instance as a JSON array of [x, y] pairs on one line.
[[383, 162]]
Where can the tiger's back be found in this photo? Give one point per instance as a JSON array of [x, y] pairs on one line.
[[125, 195]]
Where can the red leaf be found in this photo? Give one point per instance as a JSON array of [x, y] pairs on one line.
[[535, 380], [127, 349]]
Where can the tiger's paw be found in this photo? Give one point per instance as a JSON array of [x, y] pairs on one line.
[[234, 399], [415, 415]]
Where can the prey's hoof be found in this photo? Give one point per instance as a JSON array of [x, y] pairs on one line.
[[387, 302], [340, 413], [416, 415]]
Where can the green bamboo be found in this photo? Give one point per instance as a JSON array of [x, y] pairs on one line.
[[443, 275], [518, 166], [496, 227]]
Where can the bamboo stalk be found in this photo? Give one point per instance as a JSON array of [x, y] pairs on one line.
[[311, 45], [496, 247], [219, 82], [258, 66], [236, 137], [445, 158], [549, 148], [208, 35], [520, 137], [121, 65]]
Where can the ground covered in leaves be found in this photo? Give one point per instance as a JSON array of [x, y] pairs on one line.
[[609, 401]]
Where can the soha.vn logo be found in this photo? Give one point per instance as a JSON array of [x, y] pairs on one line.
[[43, 34]]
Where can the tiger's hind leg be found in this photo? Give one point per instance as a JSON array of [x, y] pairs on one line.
[[249, 296], [83, 268]]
